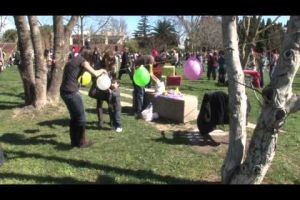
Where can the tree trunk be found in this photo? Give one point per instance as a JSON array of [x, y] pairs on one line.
[[237, 100], [81, 30], [26, 67], [61, 47], [40, 64], [279, 102], [245, 53], [56, 73]]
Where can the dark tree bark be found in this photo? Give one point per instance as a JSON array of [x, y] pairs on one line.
[[40, 64], [61, 49], [26, 67]]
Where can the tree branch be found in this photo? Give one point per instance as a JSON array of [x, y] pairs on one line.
[[104, 24], [269, 26], [70, 25], [293, 104]]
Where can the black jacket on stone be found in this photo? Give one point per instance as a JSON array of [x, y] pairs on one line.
[[214, 110]]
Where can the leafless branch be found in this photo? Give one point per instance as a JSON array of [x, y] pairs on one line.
[[269, 26], [293, 105]]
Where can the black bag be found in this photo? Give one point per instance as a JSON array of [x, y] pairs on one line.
[[94, 91]]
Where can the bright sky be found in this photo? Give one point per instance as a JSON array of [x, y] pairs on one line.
[[132, 21]]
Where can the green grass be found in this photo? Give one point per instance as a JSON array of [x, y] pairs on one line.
[[38, 150]]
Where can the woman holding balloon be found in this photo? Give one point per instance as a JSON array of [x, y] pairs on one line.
[[69, 91]]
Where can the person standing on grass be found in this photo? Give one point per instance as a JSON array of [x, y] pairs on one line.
[[69, 91], [96, 58], [261, 62], [140, 102], [114, 107], [125, 64], [108, 63], [222, 69]]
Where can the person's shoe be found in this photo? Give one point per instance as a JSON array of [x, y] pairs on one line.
[[119, 130]]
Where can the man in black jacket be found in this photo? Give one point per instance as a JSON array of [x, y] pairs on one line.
[[125, 64]]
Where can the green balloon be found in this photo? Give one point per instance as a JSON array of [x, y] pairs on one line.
[[141, 76]]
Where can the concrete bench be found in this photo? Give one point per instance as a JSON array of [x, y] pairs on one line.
[[178, 110]]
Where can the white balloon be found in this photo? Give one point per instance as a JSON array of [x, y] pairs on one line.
[[103, 82]]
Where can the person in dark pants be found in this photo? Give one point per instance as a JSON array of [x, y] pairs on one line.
[[262, 60], [124, 64], [108, 63], [210, 68], [140, 101], [69, 91], [222, 70], [115, 107]]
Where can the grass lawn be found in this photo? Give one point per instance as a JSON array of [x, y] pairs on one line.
[[38, 150]]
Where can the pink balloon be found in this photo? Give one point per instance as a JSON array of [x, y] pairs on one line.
[[192, 69]]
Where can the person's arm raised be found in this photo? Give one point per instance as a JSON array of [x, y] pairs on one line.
[[90, 69]]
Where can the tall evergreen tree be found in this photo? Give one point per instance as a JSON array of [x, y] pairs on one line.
[[143, 31]]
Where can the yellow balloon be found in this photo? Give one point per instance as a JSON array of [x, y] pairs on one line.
[[85, 78]]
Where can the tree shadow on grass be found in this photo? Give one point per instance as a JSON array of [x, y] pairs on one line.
[[127, 110], [162, 120], [105, 179], [20, 95], [42, 179], [7, 105], [141, 174], [65, 123], [93, 126], [20, 139], [188, 138], [94, 111], [31, 130], [55, 122]]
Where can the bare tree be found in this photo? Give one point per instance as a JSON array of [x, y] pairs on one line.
[[26, 68], [250, 37], [117, 26], [191, 26], [210, 34], [62, 36], [279, 102], [94, 24], [35, 79], [237, 100], [100, 23], [202, 31], [40, 64]]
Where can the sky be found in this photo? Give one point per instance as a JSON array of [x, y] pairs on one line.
[[132, 21]]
